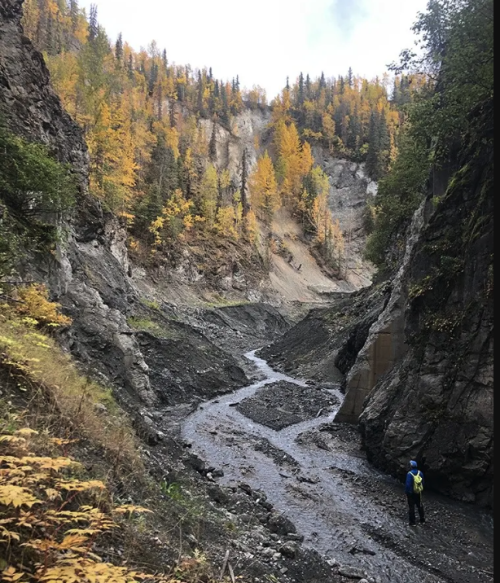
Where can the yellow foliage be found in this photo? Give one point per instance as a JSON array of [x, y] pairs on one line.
[[251, 228], [34, 302], [226, 221], [175, 218], [25, 432], [129, 509], [37, 358], [62, 541], [52, 533], [11, 575], [208, 195], [263, 187], [295, 160], [17, 496], [76, 486]]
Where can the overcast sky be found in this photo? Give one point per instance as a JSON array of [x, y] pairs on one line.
[[264, 41]]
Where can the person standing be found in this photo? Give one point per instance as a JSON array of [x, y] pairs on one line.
[[413, 488]]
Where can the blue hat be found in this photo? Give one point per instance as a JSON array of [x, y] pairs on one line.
[[413, 463]]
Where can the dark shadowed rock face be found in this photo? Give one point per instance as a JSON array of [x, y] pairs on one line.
[[28, 103], [186, 368], [437, 404], [324, 345]]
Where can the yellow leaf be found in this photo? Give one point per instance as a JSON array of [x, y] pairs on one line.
[[77, 486], [25, 432], [17, 496], [130, 508], [10, 534], [52, 494]]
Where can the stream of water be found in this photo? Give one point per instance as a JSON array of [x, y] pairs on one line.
[[319, 491]]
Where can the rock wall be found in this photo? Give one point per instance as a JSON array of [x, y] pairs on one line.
[[28, 105], [386, 342], [350, 190], [436, 404], [246, 132]]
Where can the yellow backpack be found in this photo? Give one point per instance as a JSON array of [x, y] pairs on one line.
[[418, 485]]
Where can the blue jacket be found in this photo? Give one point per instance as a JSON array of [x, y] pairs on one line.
[[409, 480]]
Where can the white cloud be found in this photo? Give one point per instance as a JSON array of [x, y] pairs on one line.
[[265, 41]]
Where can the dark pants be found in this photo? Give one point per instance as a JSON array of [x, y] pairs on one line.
[[415, 500]]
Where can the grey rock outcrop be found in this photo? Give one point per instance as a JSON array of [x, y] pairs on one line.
[[88, 274], [350, 190], [385, 344], [28, 104]]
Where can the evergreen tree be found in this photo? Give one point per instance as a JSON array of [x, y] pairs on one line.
[[373, 146], [153, 77], [212, 146], [224, 116], [350, 80], [353, 132], [322, 82], [93, 24], [73, 14], [244, 183], [200, 90], [130, 66], [300, 94], [119, 48], [49, 39], [161, 179], [307, 87]]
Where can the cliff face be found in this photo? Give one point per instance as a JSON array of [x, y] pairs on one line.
[[29, 105], [350, 190], [95, 243], [436, 403]]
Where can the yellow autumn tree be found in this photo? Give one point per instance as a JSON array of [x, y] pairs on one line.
[[238, 212], [64, 76], [263, 188], [251, 227], [175, 219], [328, 129], [112, 155], [328, 235], [208, 196], [294, 160], [226, 222]]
